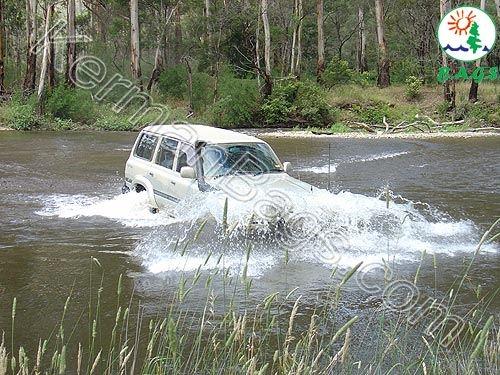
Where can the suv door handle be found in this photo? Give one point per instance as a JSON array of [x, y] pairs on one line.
[[172, 182], [151, 174]]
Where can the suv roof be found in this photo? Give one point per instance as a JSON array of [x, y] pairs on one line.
[[193, 133]]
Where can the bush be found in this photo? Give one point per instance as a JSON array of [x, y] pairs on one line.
[[20, 115], [173, 82], [70, 104], [372, 113], [337, 72], [114, 122], [297, 102], [413, 88], [238, 104], [203, 90]]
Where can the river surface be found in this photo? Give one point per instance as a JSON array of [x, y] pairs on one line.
[[60, 205]]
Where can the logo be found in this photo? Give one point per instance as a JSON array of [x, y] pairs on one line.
[[466, 34]]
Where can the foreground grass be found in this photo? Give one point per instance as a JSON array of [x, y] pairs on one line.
[[264, 338]]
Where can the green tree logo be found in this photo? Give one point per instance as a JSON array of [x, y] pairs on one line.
[[473, 41]]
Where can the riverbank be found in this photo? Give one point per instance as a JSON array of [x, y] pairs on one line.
[[413, 135], [344, 109]]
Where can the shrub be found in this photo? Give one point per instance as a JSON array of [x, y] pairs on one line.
[[238, 104], [365, 79], [20, 115], [113, 121], [203, 90], [70, 104], [413, 88], [372, 113], [173, 82], [337, 71], [295, 101]]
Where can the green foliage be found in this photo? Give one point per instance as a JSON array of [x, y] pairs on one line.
[[113, 121], [238, 104], [20, 115], [203, 90], [173, 82], [339, 127], [297, 101], [365, 78], [70, 104], [413, 88], [372, 113], [336, 72]]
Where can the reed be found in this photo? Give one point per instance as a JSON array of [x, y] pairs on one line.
[[274, 336]]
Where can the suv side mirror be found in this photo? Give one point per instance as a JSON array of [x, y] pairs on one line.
[[287, 166], [188, 172]]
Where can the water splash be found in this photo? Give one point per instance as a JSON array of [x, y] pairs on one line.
[[331, 229]]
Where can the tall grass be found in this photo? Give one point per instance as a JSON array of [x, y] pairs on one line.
[[260, 338]]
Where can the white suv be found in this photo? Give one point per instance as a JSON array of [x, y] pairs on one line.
[[172, 162]]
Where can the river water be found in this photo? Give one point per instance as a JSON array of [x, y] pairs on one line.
[[60, 205]]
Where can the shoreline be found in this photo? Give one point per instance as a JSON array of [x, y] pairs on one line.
[[355, 135], [288, 133]]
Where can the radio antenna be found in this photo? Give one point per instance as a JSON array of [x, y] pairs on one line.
[[329, 163]]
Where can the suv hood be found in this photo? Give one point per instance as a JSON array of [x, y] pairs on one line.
[[248, 187]]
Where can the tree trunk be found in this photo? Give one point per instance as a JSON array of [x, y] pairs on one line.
[[448, 90], [268, 84], [178, 36], [160, 48], [361, 46], [497, 5], [190, 88], [321, 40], [384, 78], [71, 44], [257, 49], [299, 38], [45, 60], [296, 52], [135, 54], [51, 69], [31, 31], [474, 86], [2, 51], [294, 38]]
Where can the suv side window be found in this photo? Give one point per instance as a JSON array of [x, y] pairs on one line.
[[186, 157], [166, 153], [146, 146]]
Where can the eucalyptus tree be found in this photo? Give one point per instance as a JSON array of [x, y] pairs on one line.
[[135, 47], [31, 47], [2, 49], [384, 78]]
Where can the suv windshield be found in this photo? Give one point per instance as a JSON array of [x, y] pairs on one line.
[[250, 158]]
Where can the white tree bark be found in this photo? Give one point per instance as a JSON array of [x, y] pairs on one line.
[[45, 59], [497, 4], [321, 39], [71, 43], [361, 46], [296, 52], [135, 54], [267, 47], [383, 65]]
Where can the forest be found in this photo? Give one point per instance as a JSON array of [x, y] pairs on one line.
[[338, 65]]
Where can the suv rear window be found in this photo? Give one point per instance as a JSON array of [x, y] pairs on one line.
[[146, 146], [166, 153]]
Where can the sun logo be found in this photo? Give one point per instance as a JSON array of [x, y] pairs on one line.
[[466, 33], [461, 24]]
